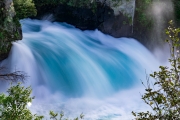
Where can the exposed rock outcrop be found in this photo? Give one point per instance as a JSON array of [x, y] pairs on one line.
[[10, 29], [85, 19]]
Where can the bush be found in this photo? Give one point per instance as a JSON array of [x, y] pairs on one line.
[[24, 8], [14, 105], [164, 96]]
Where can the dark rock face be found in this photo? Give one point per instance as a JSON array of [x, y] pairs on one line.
[[84, 19], [10, 29], [116, 26]]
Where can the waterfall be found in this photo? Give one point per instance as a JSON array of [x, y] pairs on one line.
[[81, 71]]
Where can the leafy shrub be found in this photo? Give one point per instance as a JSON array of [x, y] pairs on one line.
[[165, 99], [24, 8], [14, 105]]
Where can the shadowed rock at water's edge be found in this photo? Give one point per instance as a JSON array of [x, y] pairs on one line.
[[10, 29], [85, 19]]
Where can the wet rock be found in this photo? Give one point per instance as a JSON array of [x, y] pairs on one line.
[[10, 29]]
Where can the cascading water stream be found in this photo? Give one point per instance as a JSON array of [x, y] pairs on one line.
[[80, 71]]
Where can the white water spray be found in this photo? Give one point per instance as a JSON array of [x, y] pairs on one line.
[[77, 71]]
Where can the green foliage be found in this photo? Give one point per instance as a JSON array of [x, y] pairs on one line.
[[61, 115], [141, 9], [165, 99], [24, 8], [14, 105]]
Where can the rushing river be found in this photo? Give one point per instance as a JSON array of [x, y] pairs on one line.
[[81, 71]]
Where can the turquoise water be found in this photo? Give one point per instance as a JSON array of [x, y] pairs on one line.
[[66, 65]]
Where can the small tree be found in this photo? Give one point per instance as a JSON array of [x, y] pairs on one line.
[[164, 98], [14, 105]]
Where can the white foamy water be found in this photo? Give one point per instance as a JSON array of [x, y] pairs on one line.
[[81, 72]]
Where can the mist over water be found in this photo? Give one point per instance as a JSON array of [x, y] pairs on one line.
[[81, 71], [160, 12]]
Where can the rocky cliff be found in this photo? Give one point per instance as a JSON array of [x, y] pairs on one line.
[[120, 18], [11, 11], [10, 29], [113, 18]]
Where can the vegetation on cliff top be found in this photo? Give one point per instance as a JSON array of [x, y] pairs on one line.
[[24, 8]]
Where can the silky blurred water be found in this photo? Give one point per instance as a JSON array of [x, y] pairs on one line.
[[81, 71]]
